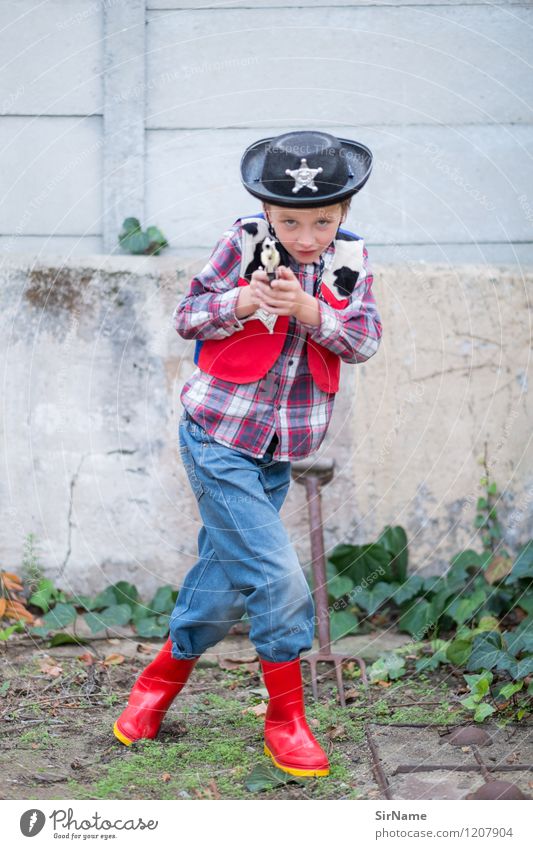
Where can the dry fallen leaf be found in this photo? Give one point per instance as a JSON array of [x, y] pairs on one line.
[[314, 723], [351, 694], [213, 786], [142, 648], [11, 581], [16, 610], [257, 710], [166, 776], [230, 664], [497, 569], [87, 658], [242, 659], [114, 659], [336, 732], [49, 667]]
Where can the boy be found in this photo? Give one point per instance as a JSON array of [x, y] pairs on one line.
[[269, 341]]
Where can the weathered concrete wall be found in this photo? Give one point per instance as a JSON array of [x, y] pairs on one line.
[[92, 370], [129, 107]]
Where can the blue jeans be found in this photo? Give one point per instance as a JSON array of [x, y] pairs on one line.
[[246, 561]]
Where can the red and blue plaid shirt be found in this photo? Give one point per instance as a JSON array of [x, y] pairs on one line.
[[286, 401]]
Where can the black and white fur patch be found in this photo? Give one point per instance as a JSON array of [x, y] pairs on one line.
[[340, 278], [257, 230]]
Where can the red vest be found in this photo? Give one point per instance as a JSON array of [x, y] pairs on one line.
[[248, 354]]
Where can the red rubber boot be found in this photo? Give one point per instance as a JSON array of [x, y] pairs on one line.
[[152, 695], [288, 738]]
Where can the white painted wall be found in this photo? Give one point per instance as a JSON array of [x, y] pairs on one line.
[[93, 369], [111, 109]]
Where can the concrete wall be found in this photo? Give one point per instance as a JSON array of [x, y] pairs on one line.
[[110, 108], [92, 370], [127, 107]]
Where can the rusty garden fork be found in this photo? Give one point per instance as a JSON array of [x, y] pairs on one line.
[[313, 474]]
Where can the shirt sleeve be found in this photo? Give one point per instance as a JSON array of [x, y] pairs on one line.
[[354, 332], [208, 310]]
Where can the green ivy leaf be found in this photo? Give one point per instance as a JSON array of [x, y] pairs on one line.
[[429, 664], [394, 540], [458, 652], [266, 777], [462, 564], [339, 585], [482, 711], [43, 595], [152, 626], [342, 623], [509, 690], [106, 598], [164, 600], [463, 609], [59, 617], [471, 702], [486, 651], [6, 632], [126, 593], [507, 663], [370, 600], [62, 639], [525, 603], [480, 684], [389, 665], [525, 667], [439, 602], [84, 601], [521, 639], [129, 225], [362, 562], [417, 619], [116, 615], [408, 589], [523, 565], [487, 623]]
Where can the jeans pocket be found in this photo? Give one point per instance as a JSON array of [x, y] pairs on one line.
[[276, 482], [189, 466], [198, 433]]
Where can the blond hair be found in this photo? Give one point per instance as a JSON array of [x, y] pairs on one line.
[[344, 205]]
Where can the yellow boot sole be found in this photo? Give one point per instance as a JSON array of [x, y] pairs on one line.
[[120, 736], [294, 770]]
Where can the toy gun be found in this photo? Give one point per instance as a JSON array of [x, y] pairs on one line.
[[270, 258]]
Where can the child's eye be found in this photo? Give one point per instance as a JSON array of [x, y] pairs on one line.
[[323, 221], [289, 221]]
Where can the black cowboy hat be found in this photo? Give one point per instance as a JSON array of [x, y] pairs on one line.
[[306, 168]]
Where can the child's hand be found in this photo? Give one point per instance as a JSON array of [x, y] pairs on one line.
[[284, 296], [250, 297]]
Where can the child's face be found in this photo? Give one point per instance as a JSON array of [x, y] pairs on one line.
[[305, 233]]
